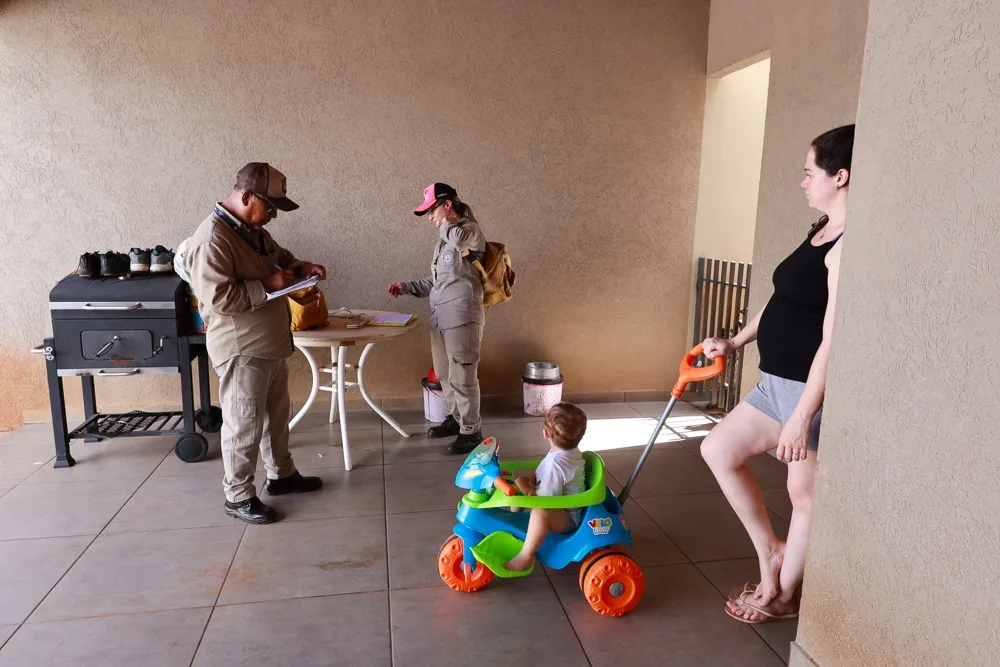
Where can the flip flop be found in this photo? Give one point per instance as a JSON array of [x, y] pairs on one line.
[[760, 609], [737, 592]]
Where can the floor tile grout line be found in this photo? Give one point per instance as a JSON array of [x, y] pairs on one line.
[[218, 595], [147, 612], [388, 582], [753, 626], [569, 620], [665, 533], [86, 548], [51, 588]]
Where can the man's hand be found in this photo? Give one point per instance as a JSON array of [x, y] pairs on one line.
[[397, 289], [278, 280], [309, 270]]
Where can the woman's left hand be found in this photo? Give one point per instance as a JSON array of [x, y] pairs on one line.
[[793, 445]]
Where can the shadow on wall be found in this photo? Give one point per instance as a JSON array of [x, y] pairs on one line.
[[500, 373]]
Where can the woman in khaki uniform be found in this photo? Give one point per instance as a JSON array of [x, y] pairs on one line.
[[455, 291]]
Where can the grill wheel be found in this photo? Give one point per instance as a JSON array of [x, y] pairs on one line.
[[191, 447]]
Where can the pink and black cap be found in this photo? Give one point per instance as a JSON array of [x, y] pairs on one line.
[[433, 193]]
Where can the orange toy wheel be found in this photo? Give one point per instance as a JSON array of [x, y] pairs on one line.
[[593, 556], [456, 573], [613, 584]]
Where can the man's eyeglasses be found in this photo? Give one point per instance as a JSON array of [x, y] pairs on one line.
[[271, 208]]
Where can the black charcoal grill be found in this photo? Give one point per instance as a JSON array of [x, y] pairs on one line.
[[118, 327]]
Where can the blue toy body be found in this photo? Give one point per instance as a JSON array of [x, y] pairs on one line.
[[603, 523]]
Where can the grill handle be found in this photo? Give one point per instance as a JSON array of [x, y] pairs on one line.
[[134, 371], [104, 350], [46, 350], [90, 306]]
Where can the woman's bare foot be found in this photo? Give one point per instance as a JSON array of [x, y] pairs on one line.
[[519, 563], [748, 611], [770, 571]]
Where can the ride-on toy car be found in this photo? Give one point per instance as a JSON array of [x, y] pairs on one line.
[[488, 533]]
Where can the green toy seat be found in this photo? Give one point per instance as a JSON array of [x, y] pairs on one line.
[[594, 494]]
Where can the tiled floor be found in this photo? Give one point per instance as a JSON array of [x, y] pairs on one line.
[[128, 559]]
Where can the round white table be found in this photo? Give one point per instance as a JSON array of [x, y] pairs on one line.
[[337, 337]]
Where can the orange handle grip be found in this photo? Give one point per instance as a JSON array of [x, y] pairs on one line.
[[689, 373], [504, 486]]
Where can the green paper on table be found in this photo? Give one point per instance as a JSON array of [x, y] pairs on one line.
[[497, 549]]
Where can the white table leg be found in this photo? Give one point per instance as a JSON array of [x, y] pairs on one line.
[[361, 385], [341, 391], [333, 399], [312, 392]]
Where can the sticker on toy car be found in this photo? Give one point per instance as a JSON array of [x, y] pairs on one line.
[[600, 526]]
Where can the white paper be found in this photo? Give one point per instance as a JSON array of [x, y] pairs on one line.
[[308, 282], [391, 319]]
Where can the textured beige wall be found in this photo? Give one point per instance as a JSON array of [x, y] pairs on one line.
[[574, 131], [903, 566], [735, 107], [740, 32], [816, 61]]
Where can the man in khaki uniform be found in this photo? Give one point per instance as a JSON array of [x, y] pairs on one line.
[[233, 263]]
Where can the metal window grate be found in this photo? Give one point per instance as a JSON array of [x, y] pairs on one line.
[[722, 297]]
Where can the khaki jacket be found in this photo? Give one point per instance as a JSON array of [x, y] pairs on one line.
[[455, 287], [227, 276]]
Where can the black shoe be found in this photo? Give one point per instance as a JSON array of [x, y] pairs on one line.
[[465, 443], [90, 265], [445, 429], [294, 483], [252, 511], [114, 264], [161, 260]]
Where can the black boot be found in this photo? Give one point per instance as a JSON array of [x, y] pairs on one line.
[[252, 511], [465, 443], [294, 483], [445, 429]]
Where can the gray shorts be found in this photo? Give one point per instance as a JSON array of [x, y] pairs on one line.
[[777, 397]]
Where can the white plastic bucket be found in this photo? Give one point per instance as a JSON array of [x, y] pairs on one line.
[[539, 398], [435, 404]]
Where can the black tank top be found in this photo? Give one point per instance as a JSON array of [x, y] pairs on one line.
[[791, 327]]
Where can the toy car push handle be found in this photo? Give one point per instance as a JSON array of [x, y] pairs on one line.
[[689, 373], [504, 486]]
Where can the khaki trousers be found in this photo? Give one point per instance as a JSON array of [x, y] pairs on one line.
[[255, 412], [456, 363]]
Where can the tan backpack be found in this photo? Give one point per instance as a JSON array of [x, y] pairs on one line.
[[497, 273]]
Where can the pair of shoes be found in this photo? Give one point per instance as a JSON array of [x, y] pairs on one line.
[[465, 443], [103, 265], [157, 260], [446, 428], [252, 511], [294, 483]]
